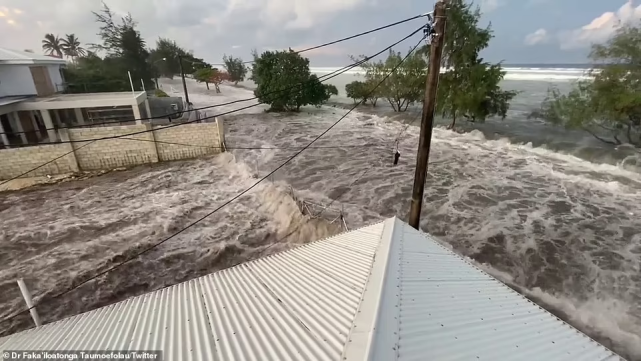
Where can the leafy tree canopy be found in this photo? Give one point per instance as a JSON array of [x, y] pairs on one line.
[[470, 86], [204, 75], [356, 91], [235, 68], [211, 75], [72, 47], [165, 59], [52, 45], [609, 105], [330, 90], [363, 91], [283, 81], [401, 88], [125, 51]]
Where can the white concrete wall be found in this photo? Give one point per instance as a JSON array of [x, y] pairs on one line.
[[56, 77], [16, 80]]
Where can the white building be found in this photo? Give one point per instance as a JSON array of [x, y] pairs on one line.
[[32, 106], [383, 292]]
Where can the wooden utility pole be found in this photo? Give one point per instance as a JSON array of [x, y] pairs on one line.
[[182, 75], [427, 120]]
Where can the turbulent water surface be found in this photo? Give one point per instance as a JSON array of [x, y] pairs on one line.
[[557, 219]]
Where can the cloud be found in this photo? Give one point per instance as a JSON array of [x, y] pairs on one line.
[[601, 28], [538, 37], [208, 27]]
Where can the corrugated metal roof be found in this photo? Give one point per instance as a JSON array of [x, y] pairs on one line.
[[10, 56], [295, 305], [383, 292], [434, 305]]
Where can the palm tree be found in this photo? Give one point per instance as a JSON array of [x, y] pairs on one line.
[[71, 47], [51, 45]]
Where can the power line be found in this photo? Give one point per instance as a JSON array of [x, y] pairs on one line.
[[342, 70], [192, 145], [323, 78], [349, 37], [230, 200], [252, 148], [44, 164], [247, 62], [337, 197]]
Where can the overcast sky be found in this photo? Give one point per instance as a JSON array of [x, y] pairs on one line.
[[527, 31]]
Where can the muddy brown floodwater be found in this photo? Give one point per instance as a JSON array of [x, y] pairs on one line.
[[57, 236]]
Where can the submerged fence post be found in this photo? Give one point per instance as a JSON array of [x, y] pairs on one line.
[[27, 298]]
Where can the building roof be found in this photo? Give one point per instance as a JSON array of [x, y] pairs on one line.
[[16, 57], [382, 292], [83, 100]]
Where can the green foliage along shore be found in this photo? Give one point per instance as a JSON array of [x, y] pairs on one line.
[[283, 81], [469, 89], [608, 106], [126, 51]]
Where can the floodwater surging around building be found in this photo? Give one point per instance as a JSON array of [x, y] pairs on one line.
[[563, 230]]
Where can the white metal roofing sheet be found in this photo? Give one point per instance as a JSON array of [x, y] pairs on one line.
[[383, 292], [295, 305], [434, 305]]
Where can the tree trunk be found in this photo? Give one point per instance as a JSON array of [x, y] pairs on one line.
[[390, 102], [599, 138], [374, 101], [453, 122], [206, 83]]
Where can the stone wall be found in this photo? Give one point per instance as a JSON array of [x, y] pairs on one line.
[[152, 144]]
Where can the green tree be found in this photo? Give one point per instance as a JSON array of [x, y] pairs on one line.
[[330, 90], [470, 88], [71, 47], [609, 106], [235, 68], [124, 46], [169, 51], [283, 81], [90, 74], [357, 91], [401, 88], [52, 45], [204, 75], [316, 93]]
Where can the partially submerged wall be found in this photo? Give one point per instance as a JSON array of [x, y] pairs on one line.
[[165, 106], [151, 145], [16, 161]]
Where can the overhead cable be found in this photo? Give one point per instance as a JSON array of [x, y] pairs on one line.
[[342, 70], [138, 254], [218, 105]]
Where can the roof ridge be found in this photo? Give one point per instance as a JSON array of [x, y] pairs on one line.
[[364, 326]]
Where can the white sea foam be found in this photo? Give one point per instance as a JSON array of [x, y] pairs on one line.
[[538, 74], [562, 229]]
